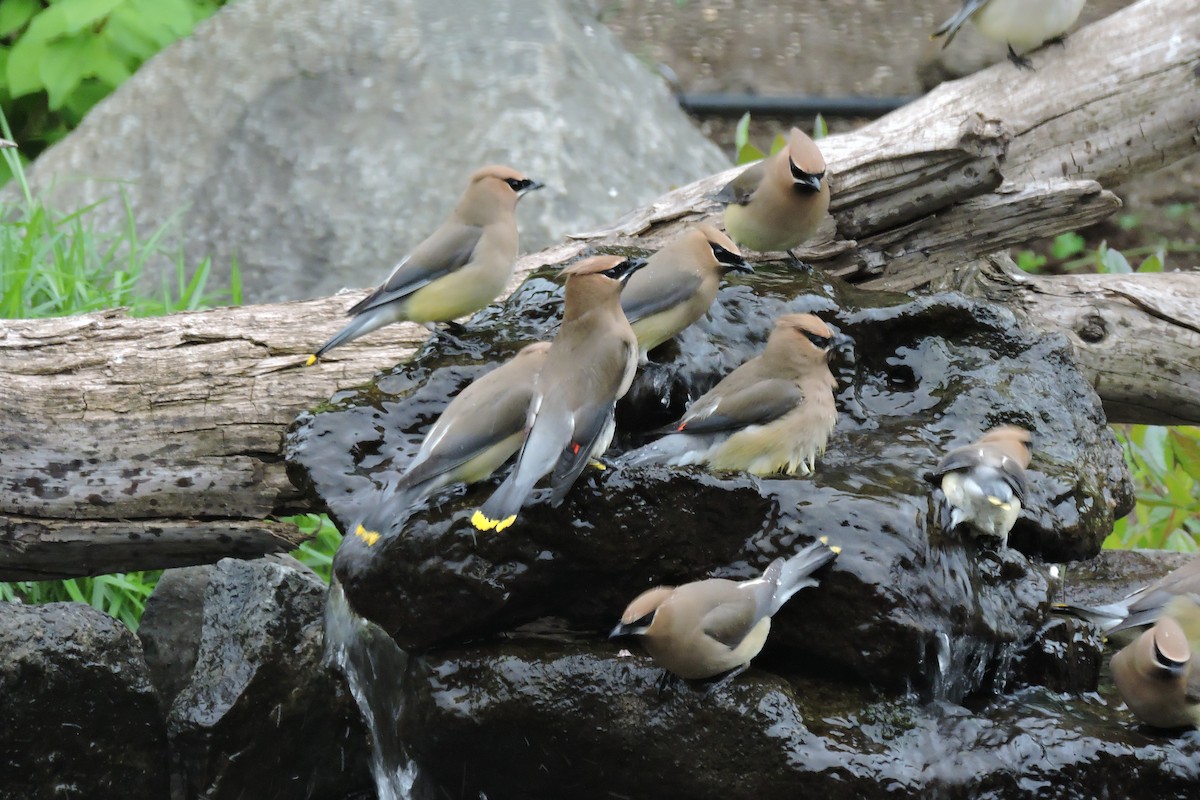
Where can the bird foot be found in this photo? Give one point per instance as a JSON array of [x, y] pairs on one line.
[[726, 679], [1020, 62], [1060, 40], [798, 262]]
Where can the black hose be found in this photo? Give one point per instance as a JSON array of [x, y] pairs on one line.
[[735, 105]]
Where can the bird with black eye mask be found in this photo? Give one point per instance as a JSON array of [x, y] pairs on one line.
[[773, 414]]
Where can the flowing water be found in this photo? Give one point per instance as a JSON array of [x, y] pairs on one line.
[[374, 669]]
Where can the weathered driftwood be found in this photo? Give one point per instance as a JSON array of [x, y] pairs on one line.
[[163, 434]]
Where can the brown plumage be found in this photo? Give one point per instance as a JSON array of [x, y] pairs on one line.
[[702, 629], [678, 284], [459, 269], [778, 203], [1158, 675], [772, 414], [589, 366]]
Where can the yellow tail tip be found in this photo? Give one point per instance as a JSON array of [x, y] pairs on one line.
[[598, 464], [370, 537], [837, 551], [311, 360], [506, 522], [824, 540], [481, 522]]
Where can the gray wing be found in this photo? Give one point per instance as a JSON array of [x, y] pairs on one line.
[[657, 293], [973, 456], [730, 621], [447, 249], [755, 404], [951, 26], [742, 188]]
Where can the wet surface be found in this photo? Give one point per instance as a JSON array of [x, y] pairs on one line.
[[536, 717], [907, 605]]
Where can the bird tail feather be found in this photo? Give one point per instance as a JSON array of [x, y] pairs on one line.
[[359, 326], [796, 572]]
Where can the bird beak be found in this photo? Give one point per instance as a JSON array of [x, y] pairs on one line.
[[741, 265], [731, 261], [629, 266], [532, 187], [621, 630], [811, 181]]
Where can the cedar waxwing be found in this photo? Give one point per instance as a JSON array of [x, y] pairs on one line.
[[702, 629], [459, 269], [1144, 606], [1158, 675], [1023, 25], [678, 284], [772, 414], [480, 429], [589, 366], [984, 482], [778, 203]]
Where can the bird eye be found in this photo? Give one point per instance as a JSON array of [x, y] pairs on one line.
[[820, 342], [800, 176], [723, 255], [643, 621], [518, 185]]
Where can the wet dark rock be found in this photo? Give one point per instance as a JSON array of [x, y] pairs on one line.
[[78, 714], [539, 718], [1113, 574], [261, 716], [906, 604], [170, 628]]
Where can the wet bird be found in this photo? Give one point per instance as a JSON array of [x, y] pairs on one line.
[[678, 284], [589, 366], [481, 428], [1023, 25], [1143, 607], [984, 482], [459, 269], [702, 629], [778, 203], [772, 414], [1158, 675]]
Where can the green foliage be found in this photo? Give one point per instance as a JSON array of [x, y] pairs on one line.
[[1165, 465], [1069, 253], [747, 152], [317, 553], [820, 128], [122, 595], [58, 58]]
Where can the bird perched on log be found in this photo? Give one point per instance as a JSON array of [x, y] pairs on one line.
[[481, 428], [984, 482], [702, 629], [459, 269], [772, 414], [778, 203], [678, 284], [1023, 25], [589, 366], [1158, 675], [1143, 607]]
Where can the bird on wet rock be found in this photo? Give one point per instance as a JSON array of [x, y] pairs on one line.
[[1023, 25], [589, 366], [678, 284], [702, 629], [462, 266], [1158, 674], [984, 483], [773, 414], [480, 429], [1143, 607], [778, 203]]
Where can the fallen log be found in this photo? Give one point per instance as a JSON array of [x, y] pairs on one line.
[[140, 443]]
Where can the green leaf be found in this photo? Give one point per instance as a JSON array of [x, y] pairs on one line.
[[820, 127], [1113, 262], [741, 134], [14, 14], [81, 14], [749, 153], [1030, 261], [1066, 245], [65, 63], [1187, 451], [778, 143], [1154, 262], [22, 71]]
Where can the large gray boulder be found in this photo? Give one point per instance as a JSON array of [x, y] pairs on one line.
[[317, 140]]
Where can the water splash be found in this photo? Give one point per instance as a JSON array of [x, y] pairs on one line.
[[374, 668]]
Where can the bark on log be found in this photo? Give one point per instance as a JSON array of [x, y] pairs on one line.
[[164, 434]]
